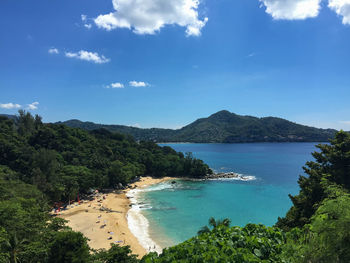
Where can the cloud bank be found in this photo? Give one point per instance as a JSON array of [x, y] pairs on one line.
[[88, 56], [342, 8], [302, 9], [149, 16], [292, 9], [9, 106]]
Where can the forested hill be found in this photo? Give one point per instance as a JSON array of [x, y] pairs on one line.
[[222, 127], [153, 134], [12, 117], [63, 161]]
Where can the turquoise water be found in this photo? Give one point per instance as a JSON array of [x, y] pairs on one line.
[[179, 210]]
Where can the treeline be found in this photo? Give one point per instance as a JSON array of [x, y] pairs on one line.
[[63, 161]]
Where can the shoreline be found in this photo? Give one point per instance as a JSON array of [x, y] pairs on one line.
[[120, 221], [103, 227]]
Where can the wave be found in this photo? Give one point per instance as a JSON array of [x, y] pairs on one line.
[[240, 177], [157, 187], [138, 223]]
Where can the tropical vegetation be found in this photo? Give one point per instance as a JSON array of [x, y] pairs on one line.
[[63, 162]]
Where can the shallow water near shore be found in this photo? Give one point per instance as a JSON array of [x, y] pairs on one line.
[[175, 212]]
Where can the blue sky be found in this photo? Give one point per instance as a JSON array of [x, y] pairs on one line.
[[151, 63]]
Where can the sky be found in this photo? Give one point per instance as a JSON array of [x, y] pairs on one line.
[[157, 63]]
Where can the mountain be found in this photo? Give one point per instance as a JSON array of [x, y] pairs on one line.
[[222, 127], [11, 117], [153, 134]]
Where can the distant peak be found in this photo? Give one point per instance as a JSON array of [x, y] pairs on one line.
[[222, 113]]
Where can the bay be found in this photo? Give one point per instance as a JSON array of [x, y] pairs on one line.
[[177, 211]]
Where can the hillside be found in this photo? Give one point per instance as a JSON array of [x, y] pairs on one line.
[[153, 134], [11, 117], [56, 158], [222, 127]]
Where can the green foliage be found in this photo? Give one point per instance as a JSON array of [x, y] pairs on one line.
[[214, 223], [253, 243], [4, 246], [69, 246], [327, 237], [222, 126], [331, 166], [63, 161], [115, 254], [28, 234], [25, 227]]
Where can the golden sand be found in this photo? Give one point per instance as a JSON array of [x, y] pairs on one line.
[[103, 228]]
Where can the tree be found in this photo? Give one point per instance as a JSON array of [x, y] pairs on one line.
[[332, 162], [327, 237], [82, 175], [116, 254], [69, 246], [215, 223], [25, 123]]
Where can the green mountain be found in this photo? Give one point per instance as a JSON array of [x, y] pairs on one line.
[[11, 117], [222, 127]]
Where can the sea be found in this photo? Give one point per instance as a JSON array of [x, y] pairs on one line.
[[168, 213]]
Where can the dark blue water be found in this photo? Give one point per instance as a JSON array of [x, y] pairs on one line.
[[178, 211]]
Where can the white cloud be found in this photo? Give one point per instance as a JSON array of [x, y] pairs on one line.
[[149, 16], [136, 125], [88, 56], [33, 106], [134, 83], [292, 9], [115, 85], [53, 51], [342, 8], [85, 19], [345, 122], [9, 106]]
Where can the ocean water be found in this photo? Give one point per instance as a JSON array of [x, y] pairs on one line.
[[167, 214]]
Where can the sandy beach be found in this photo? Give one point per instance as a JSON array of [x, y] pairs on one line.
[[104, 228]]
